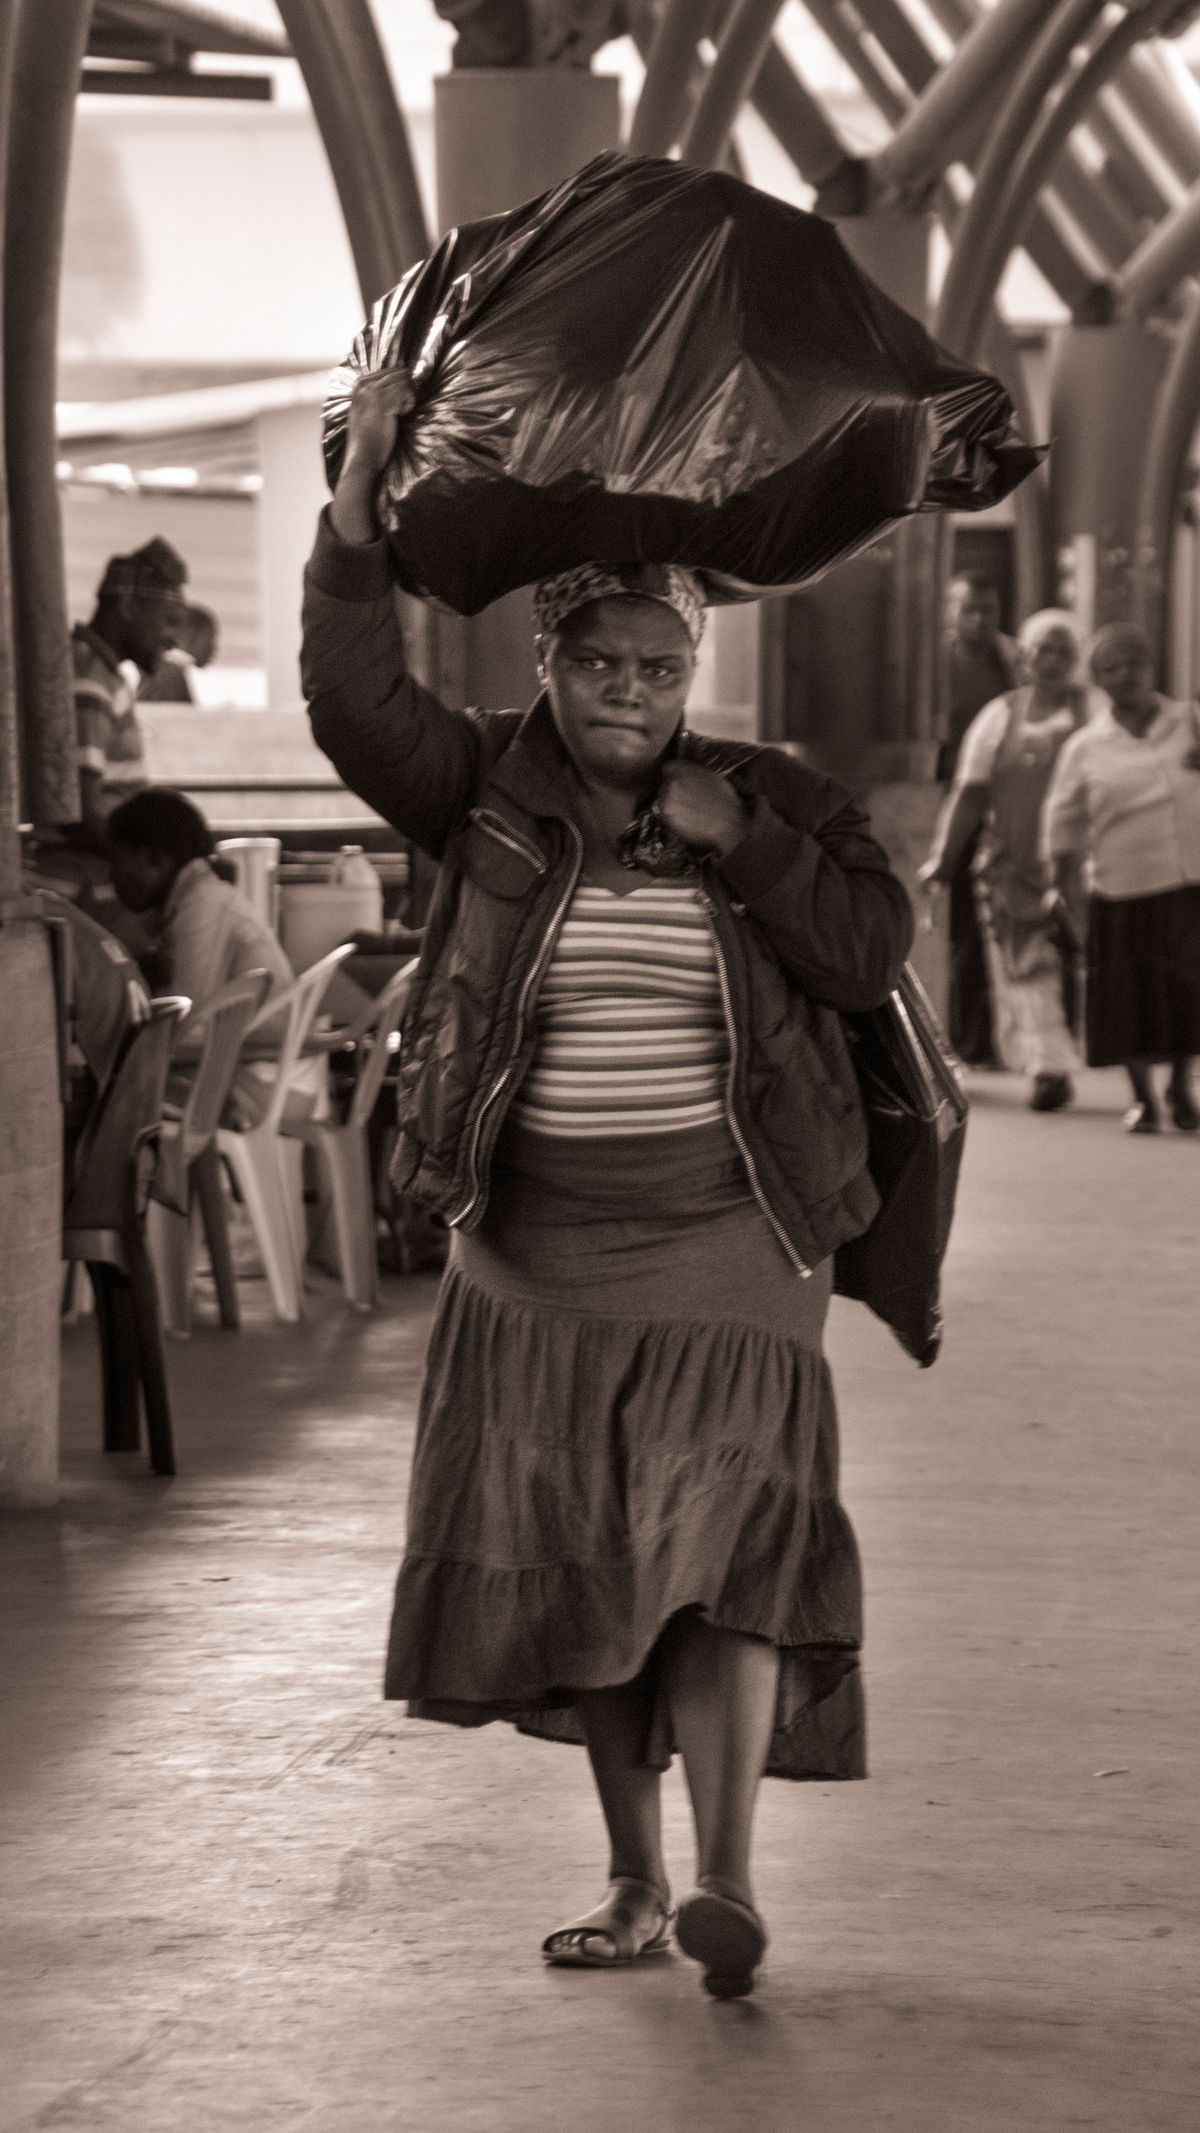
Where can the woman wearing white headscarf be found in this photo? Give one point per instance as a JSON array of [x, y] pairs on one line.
[[1005, 766]]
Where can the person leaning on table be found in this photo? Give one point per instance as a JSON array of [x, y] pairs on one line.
[[1125, 800], [631, 1097]]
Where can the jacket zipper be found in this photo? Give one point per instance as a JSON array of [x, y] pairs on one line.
[[532, 974], [751, 1169], [499, 831]]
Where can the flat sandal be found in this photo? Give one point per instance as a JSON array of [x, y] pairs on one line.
[[727, 1936], [568, 1948]]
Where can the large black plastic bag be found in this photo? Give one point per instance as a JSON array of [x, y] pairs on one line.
[[916, 1109], [659, 364]]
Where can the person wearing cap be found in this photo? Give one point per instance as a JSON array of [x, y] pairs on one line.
[[626, 1086], [139, 605]]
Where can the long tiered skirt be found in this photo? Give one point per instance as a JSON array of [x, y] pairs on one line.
[[627, 1416], [1143, 982]]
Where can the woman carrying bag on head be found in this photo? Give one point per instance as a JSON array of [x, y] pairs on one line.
[[627, 1087]]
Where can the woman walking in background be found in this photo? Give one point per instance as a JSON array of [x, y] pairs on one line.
[[1125, 799], [627, 1087], [1007, 759]]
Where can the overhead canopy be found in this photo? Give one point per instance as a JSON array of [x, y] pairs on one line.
[[147, 48]]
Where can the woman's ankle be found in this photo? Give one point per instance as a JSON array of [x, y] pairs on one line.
[[652, 1878], [737, 1887]]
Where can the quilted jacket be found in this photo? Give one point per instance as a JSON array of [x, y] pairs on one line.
[[807, 919]]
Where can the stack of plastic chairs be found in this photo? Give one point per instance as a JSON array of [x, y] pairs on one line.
[[188, 1177], [104, 1226], [341, 1143], [274, 1103]]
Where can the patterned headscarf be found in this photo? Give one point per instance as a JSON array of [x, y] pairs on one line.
[[669, 583]]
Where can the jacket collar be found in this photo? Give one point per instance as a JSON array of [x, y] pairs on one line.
[[534, 770]]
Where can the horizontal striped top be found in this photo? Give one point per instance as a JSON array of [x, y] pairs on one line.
[[631, 1033]]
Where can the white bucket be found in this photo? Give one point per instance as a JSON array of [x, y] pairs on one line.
[[255, 862], [315, 916]]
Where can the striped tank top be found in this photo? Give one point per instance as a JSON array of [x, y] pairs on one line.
[[631, 1037]]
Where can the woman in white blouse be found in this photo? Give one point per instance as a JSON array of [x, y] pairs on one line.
[[1005, 764], [1125, 802]]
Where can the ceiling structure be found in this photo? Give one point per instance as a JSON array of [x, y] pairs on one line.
[[150, 48], [1068, 128]]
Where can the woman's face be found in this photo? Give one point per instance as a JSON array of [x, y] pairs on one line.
[[618, 674], [142, 878], [1124, 668], [1052, 659]]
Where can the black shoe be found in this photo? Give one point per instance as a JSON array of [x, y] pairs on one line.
[[1143, 1118], [1184, 1112], [1050, 1092]]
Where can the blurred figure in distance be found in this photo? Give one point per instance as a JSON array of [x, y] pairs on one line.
[[980, 663]]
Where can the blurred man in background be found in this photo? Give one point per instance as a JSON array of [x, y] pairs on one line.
[[980, 663], [139, 606], [196, 637]]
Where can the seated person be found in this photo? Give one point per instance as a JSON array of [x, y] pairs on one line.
[[203, 931]]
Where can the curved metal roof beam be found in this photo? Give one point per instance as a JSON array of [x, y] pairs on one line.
[[364, 134], [1150, 97], [740, 54], [1170, 252], [665, 101], [847, 192], [10, 764], [1173, 427], [898, 37], [1026, 137], [47, 59], [1107, 226], [1155, 106], [931, 135], [796, 119], [870, 76]]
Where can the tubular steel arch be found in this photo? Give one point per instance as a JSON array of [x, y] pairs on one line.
[[1173, 426], [1169, 252], [740, 54], [48, 54], [364, 136], [662, 107], [10, 775], [1005, 186]]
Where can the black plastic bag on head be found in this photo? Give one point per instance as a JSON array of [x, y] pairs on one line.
[[658, 364]]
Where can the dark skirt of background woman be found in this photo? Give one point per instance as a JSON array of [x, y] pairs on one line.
[[1143, 977], [627, 1415]]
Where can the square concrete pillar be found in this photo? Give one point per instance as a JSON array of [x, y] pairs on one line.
[[30, 1220], [294, 491]]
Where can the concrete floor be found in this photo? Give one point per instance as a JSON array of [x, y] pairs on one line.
[[242, 1893]]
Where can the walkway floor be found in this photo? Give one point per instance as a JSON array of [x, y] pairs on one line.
[[241, 1893]]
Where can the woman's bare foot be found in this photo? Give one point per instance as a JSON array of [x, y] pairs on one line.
[[633, 1921]]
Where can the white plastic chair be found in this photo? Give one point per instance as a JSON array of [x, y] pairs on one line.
[[341, 1144], [188, 1177], [261, 1145]]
